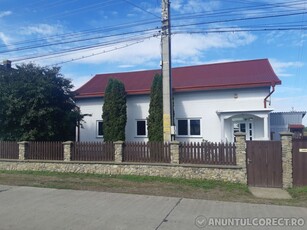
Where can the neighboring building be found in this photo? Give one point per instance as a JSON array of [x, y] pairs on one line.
[[211, 102], [287, 121], [6, 65]]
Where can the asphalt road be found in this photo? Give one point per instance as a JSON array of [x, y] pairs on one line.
[[45, 209]]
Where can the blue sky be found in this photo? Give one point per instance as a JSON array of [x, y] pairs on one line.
[[123, 35]]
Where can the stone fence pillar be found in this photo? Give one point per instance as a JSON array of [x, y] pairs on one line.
[[286, 145], [119, 148], [23, 150], [67, 150], [174, 151], [241, 153]]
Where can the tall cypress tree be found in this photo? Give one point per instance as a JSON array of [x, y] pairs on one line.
[[155, 118], [114, 111]]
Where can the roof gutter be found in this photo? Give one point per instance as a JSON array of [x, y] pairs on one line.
[[265, 99]]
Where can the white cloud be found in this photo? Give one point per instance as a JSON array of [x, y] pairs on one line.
[[186, 50], [5, 13], [186, 47], [194, 6], [42, 29], [5, 39], [282, 68]]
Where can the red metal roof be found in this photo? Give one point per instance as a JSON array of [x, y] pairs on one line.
[[240, 74], [296, 126]]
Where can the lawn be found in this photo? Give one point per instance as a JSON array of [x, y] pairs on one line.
[[159, 186]]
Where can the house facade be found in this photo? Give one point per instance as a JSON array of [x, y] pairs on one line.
[[211, 102]]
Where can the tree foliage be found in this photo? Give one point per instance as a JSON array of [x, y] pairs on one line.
[[114, 111], [36, 104], [155, 118]]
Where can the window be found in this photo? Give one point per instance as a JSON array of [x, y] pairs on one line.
[[141, 128], [195, 127], [188, 127], [99, 125], [182, 127]]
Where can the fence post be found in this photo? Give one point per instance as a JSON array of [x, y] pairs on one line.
[[118, 146], [241, 153], [23, 148], [286, 146], [174, 150], [67, 150]]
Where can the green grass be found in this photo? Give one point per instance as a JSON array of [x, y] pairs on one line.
[[147, 185], [197, 183], [298, 192]]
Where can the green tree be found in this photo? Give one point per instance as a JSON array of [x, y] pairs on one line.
[[155, 118], [114, 112], [36, 103]]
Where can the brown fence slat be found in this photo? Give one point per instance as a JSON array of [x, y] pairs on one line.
[[45, 151], [93, 151], [264, 163], [151, 152], [299, 162], [207, 153], [8, 150]]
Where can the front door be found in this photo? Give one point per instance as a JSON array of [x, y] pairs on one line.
[[244, 127]]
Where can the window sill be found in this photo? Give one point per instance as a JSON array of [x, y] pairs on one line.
[[200, 137]]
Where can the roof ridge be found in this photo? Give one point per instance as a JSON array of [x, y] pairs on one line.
[[181, 67]]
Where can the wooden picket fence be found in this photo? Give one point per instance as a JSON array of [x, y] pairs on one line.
[[151, 152], [8, 150], [92, 151], [207, 153], [45, 150]]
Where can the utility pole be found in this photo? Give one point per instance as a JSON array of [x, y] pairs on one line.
[[168, 120]]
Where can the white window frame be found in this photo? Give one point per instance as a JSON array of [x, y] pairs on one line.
[[247, 129], [189, 127], [136, 128], [97, 129]]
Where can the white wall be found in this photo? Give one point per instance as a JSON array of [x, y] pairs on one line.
[[137, 108], [206, 104], [92, 106], [203, 105]]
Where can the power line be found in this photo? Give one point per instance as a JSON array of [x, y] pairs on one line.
[[74, 41], [240, 19], [95, 54], [141, 8], [81, 48]]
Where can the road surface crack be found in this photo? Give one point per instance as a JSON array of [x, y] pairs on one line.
[[167, 215]]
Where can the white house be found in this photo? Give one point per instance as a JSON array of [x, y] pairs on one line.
[[211, 102]]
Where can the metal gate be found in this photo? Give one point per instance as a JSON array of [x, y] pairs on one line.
[[299, 162], [264, 164]]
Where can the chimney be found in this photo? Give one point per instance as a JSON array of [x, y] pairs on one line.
[[7, 64]]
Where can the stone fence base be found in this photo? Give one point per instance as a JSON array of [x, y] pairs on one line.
[[223, 173]]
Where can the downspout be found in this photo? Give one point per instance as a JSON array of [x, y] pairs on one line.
[[265, 99]]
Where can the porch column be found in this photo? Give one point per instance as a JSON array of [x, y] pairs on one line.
[[286, 145], [266, 127], [223, 138], [241, 154]]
